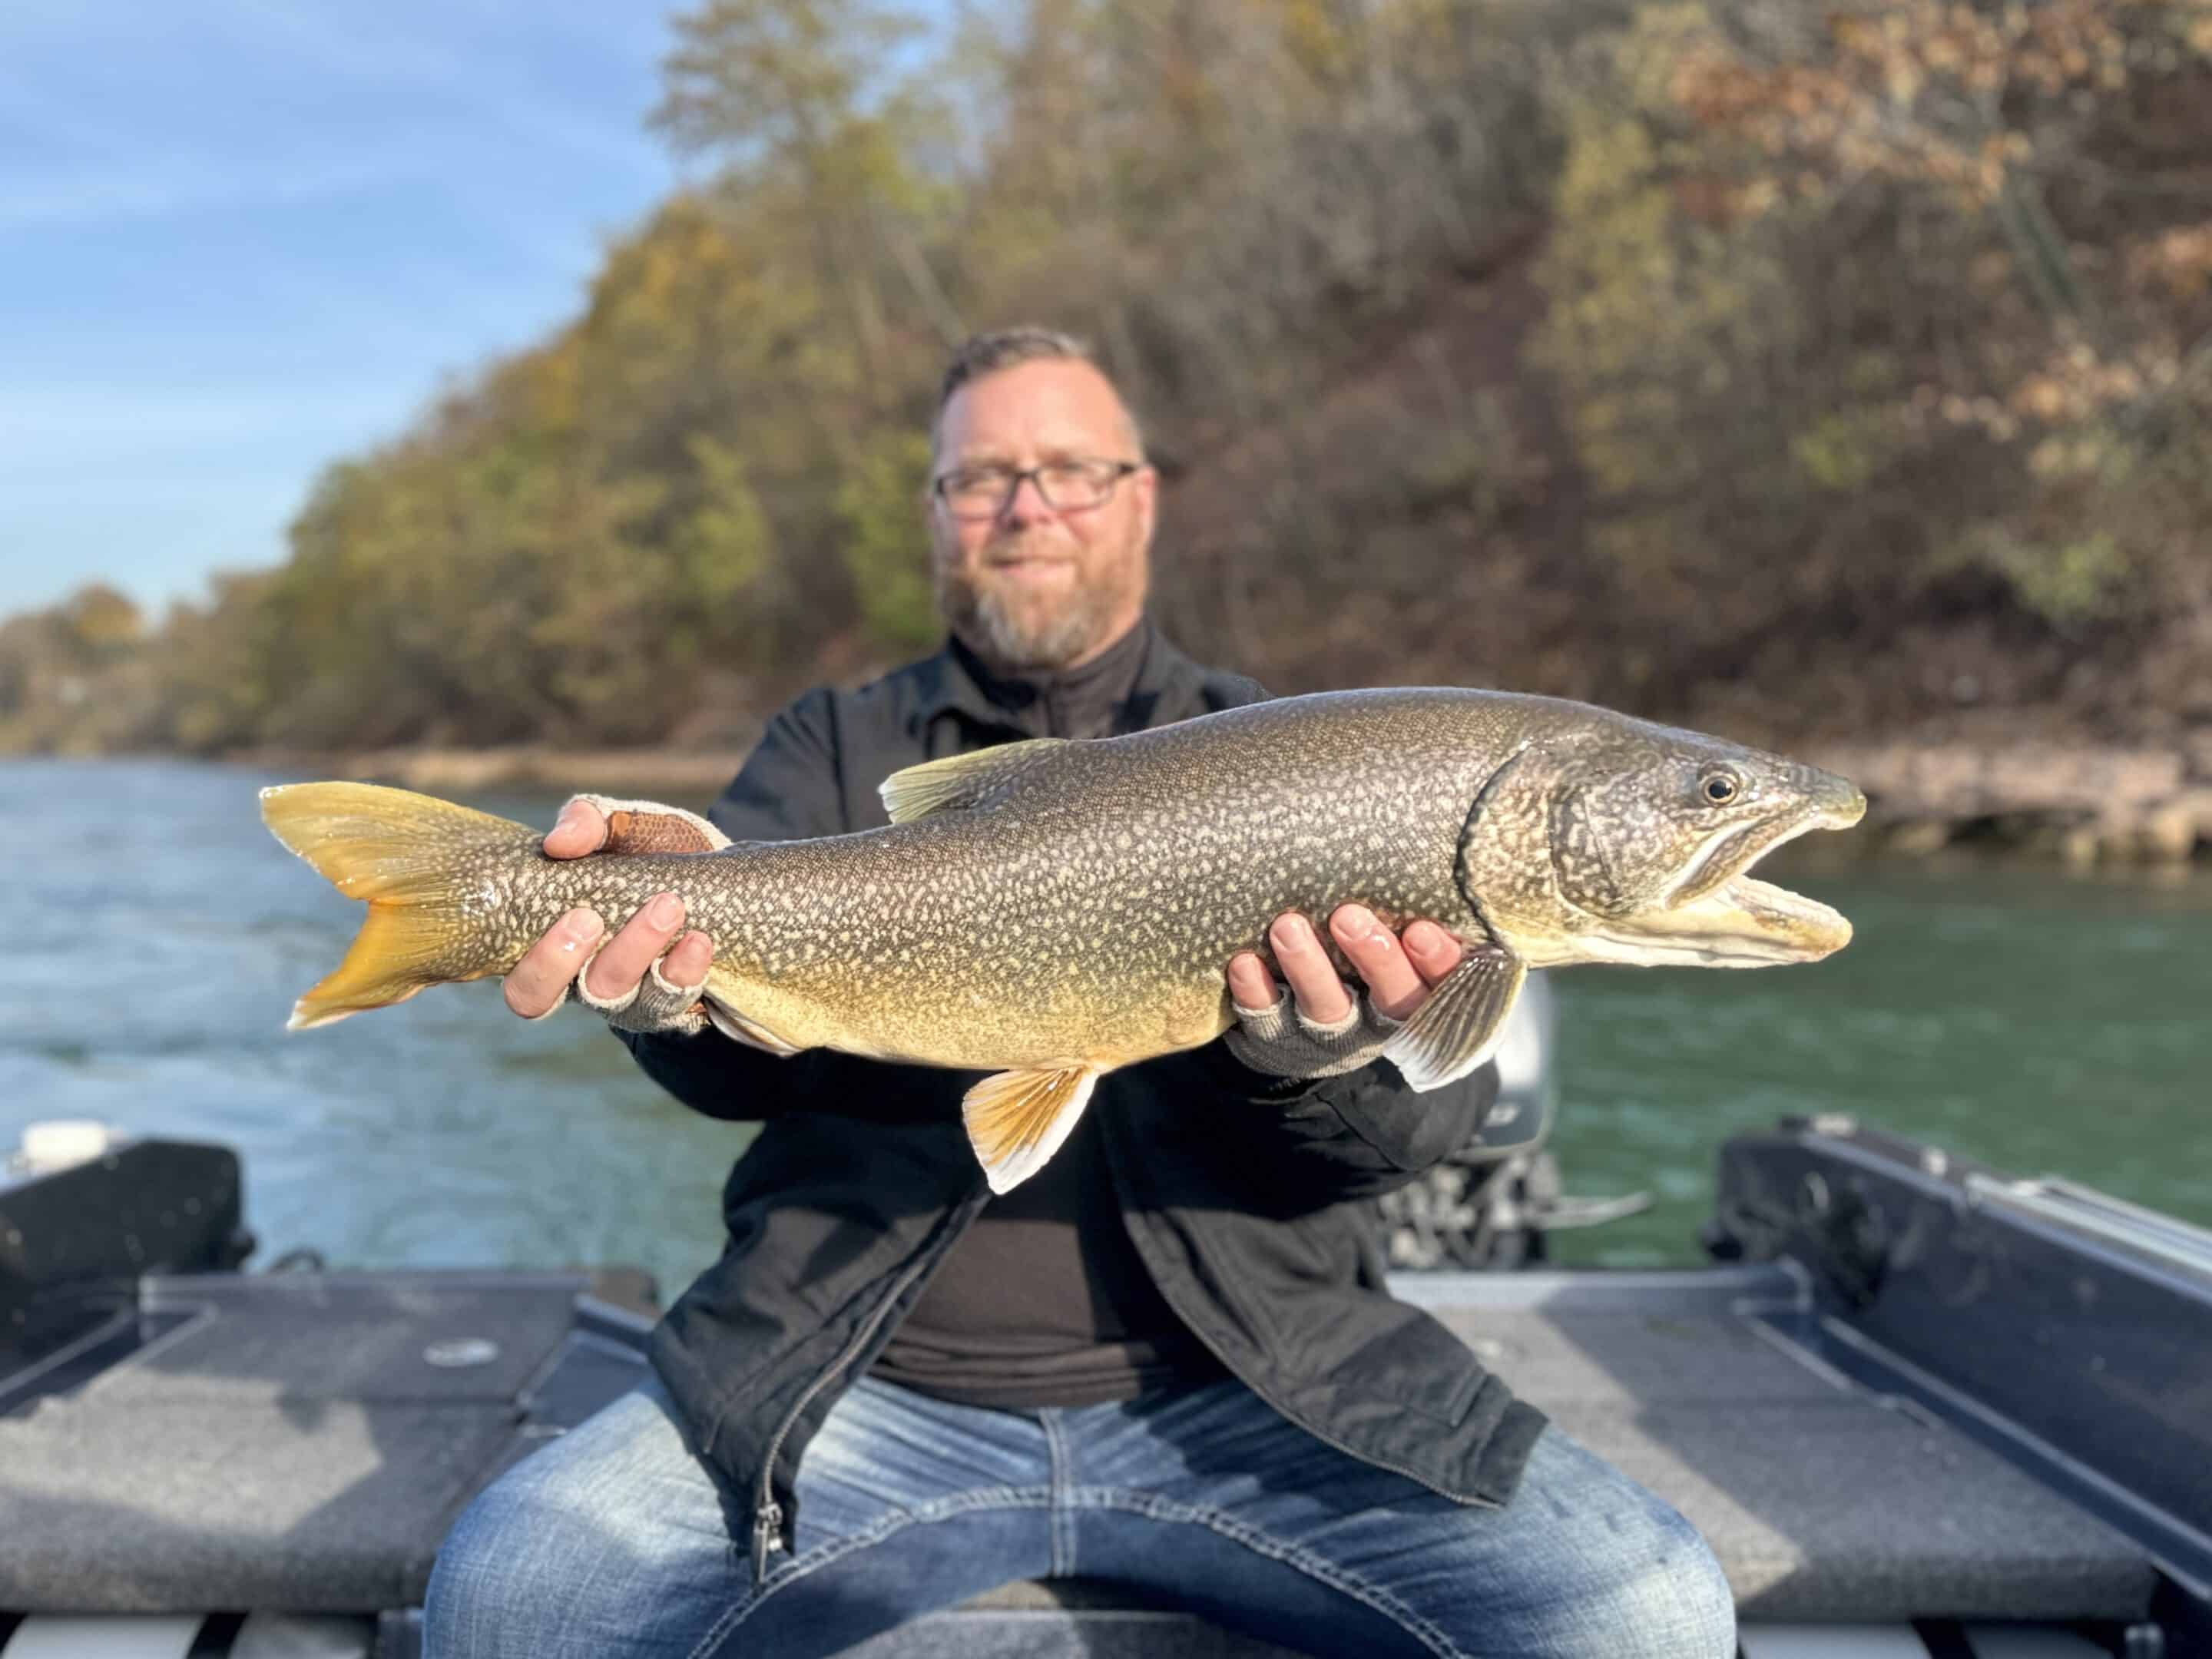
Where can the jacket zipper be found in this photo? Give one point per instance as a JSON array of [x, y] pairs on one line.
[[767, 1514]]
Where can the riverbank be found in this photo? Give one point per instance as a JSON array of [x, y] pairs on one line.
[[2081, 805], [684, 777]]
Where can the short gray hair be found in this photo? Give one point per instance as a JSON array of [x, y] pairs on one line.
[[980, 354]]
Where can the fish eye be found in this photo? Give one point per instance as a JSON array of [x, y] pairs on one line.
[[1719, 788]]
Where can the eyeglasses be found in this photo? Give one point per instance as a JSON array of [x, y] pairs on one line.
[[984, 492]]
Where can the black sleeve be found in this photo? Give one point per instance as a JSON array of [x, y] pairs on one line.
[[1354, 1136], [788, 790]]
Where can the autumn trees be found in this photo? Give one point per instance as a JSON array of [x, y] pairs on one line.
[[1783, 363]]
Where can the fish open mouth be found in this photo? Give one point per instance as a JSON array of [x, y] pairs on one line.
[[1724, 916]]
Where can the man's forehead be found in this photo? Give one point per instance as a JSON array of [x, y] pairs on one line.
[[1055, 406]]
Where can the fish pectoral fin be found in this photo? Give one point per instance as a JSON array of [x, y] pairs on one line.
[[736, 1027], [1455, 1029], [958, 780], [1018, 1119]]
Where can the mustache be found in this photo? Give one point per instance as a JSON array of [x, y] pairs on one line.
[[1013, 550], [1000, 560]]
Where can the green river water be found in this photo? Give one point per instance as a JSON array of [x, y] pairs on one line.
[[156, 936]]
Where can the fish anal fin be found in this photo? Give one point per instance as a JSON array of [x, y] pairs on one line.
[[1018, 1119], [1458, 1027], [959, 781]]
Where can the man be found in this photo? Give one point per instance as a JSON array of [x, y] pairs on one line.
[[1166, 1359]]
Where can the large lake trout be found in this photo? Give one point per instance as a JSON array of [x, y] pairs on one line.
[[1051, 910]]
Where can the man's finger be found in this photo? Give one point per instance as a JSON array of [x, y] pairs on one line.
[[580, 829], [1394, 985], [1250, 985], [1323, 998], [688, 960], [1433, 953], [616, 970], [535, 985]]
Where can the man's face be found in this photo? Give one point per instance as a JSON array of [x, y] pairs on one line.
[[1036, 586]]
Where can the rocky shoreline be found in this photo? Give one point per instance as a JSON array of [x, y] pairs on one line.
[[690, 778], [2079, 805], [2084, 807]]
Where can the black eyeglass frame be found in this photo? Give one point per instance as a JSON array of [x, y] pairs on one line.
[[1015, 476]]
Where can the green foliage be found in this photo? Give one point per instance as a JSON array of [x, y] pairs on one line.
[[1846, 450], [2069, 585], [883, 546]]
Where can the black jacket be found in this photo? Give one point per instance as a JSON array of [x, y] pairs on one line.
[[1239, 1190]]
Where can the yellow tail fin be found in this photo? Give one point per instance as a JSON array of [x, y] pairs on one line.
[[427, 868]]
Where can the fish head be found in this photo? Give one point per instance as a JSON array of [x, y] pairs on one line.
[[1613, 840]]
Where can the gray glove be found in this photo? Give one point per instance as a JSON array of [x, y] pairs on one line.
[[653, 1005], [1283, 1042]]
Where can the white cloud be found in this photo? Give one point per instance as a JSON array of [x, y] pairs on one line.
[[87, 426], [177, 186]]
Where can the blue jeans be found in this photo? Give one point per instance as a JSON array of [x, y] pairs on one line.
[[613, 1540]]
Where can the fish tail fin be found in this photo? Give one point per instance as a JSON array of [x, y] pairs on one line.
[[423, 864]]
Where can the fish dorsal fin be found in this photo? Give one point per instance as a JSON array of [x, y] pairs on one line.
[[1018, 1119], [960, 780], [1455, 1029]]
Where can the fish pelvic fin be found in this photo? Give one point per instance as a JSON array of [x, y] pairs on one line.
[[1458, 1027], [736, 1027], [1018, 1119], [421, 865], [960, 780]]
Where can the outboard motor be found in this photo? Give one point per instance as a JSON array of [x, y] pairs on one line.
[[1491, 1204]]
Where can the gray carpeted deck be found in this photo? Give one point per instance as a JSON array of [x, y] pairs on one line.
[[293, 1448], [1821, 1501], [289, 1446]]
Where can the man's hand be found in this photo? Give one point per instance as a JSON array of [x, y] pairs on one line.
[[1327, 1032], [539, 982], [1400, 971]]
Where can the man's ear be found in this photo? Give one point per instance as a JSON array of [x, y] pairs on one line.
[[1147, 482]]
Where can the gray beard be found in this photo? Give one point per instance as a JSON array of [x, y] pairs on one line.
[[994, 632]]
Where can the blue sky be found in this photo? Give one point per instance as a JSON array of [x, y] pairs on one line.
[[241, 238]]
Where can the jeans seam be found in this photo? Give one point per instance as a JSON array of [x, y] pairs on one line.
[[1063, 1476], [1296, 1556], [826, 1554]]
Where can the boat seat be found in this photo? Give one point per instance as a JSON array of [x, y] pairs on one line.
[[300, 1443]]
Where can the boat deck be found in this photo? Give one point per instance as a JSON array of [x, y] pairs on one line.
[[299, 1444]]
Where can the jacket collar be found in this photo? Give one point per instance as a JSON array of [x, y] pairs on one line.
[[1169, 687]]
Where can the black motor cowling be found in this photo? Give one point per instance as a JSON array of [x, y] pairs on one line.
[[74, 1239]]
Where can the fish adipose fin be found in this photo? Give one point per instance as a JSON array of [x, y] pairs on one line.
[[420, 862], [1018, 1119], [959, 781], [1454, 1031]]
